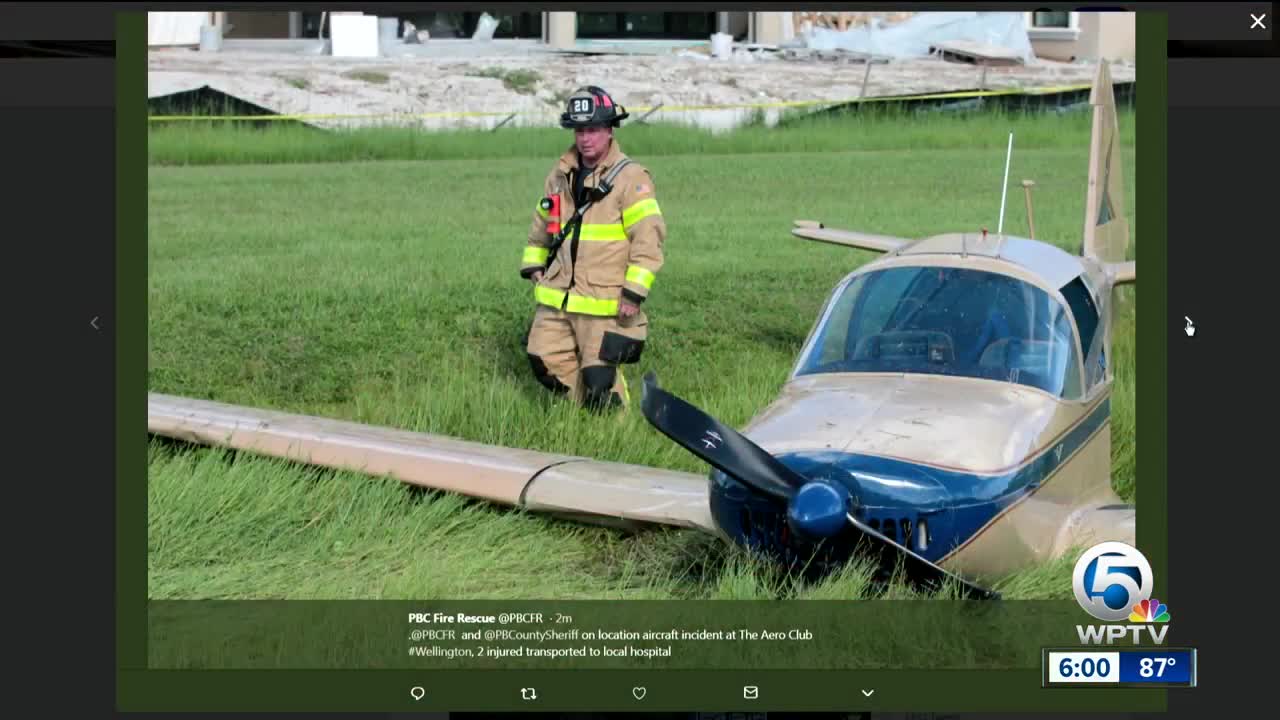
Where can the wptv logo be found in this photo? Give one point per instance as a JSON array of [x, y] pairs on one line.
[[1113, 583]]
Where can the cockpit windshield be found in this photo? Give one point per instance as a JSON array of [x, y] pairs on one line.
[[947, 321]]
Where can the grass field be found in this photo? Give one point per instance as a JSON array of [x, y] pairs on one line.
[[373, 277]]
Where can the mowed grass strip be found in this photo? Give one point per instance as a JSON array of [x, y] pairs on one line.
[[387, 293], [199, 141]]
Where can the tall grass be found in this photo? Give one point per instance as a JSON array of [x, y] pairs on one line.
[[388, 293]]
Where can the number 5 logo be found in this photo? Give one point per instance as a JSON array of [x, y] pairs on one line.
[[1110, 579]]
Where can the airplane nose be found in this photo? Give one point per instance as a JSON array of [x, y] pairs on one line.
[[819, 509], [907, 487], [905, 502], [909, 507]]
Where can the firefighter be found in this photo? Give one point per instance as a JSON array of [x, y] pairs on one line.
[[594, 249]]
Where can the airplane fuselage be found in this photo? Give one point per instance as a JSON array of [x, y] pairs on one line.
[[977, 475]]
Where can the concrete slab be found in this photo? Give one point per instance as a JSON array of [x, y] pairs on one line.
[[463, 83]]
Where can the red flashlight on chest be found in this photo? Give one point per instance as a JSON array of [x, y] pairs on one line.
[[551, 204]]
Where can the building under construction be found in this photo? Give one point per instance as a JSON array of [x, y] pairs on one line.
[[1054, 34]]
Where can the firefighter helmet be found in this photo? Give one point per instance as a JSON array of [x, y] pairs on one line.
[[591, 106]]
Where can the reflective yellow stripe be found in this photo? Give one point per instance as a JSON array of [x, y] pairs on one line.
[[640, 211], [548, 296], [603, 233], [535, 255], [591, 306], [542, 212], [577, 303], [640, 276]]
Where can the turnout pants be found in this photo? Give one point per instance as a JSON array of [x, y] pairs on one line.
[[580, 355]]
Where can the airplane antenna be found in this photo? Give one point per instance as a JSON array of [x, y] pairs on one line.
[[1004, 189]]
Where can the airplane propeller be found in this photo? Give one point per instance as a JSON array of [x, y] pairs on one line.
[[811, 504]]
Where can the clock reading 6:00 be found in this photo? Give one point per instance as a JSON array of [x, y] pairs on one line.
[[1088, 667]]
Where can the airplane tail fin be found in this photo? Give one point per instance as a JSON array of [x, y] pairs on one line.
[[1106, 229]]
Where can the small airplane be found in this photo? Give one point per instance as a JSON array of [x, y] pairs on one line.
[[948, 414], [951, 404]]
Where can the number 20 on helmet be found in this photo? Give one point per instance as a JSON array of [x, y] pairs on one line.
[[591, 106]]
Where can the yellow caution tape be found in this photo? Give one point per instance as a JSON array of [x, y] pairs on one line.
[[671, 108]]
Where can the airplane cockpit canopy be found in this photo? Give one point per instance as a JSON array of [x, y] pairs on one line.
[[947, 321]]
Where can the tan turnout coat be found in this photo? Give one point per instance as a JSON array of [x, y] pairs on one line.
[[620, 241]]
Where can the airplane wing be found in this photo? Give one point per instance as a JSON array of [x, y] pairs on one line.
[[1123, 272], [585, 489], [811, 230]]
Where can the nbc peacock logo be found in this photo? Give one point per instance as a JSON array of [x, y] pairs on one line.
[[1113, 582], [1149, 611]]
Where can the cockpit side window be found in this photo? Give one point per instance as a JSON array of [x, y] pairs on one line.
[[1067, 361], [1082, 309], [1087, 317], [838, 324]]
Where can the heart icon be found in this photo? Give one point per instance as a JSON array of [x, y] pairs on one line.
[[638, 692]]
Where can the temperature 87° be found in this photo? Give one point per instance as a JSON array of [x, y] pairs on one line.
[[1154, 667]]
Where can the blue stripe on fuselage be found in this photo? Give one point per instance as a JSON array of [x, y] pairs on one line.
[[973, 499]]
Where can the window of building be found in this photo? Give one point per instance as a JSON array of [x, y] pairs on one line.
[[1052, 25], [1051, 19], [656, 26]]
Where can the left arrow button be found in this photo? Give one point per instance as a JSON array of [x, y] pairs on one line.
[[94, 323]]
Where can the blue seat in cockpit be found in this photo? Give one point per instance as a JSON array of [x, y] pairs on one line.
[[1016, 354]]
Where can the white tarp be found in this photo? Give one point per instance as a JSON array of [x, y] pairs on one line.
[[913, 36], [176, 28]]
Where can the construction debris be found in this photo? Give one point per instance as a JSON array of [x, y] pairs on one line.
[[485, 28], [838, 55], [1002, 33], [457, 82], [976, 53], [414, 36], [842, 21]]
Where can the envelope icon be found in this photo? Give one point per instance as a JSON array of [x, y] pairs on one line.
[[750, 692]]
